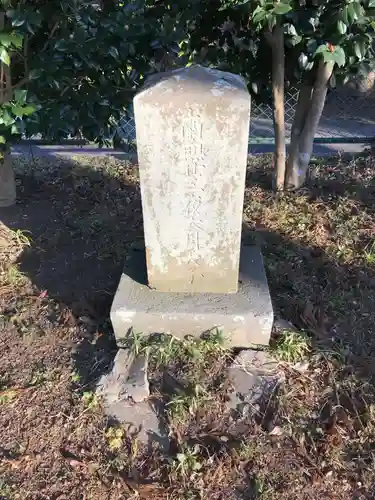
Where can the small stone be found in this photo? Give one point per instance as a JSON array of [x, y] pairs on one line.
[[110, 385], [281, 324], [144, 421], [255, 377], [127, 378], [251, 359], [136, 385]]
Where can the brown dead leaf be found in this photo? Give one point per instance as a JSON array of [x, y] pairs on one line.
[[76, 463], [315, 321], [276, 431]]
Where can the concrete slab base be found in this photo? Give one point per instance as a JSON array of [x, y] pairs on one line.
[[245, 317]]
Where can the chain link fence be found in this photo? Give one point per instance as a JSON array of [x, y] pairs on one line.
[[348, 116]]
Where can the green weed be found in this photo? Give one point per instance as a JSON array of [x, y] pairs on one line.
[[370, 254], [187, 462], [21, 238], [90, 399], [75, 377], [291, 346], [14, 276], [7, 396], [247, 450], [181, 406], [115, 438]]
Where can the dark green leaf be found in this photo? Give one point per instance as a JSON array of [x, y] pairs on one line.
[[321, 49], [4, 56], [290, 30], [309, 66], [341, 27], [358, 50], [5, 39], [303, 60], [17, 40], [282, 8], [358, 9], [18, 110], [17, 17], [295, 40], [351, 13], [339, 56], [11, 39], [20, 96], [314, 22], [271, 21], [311, 46], [29, 110], [328, 56], [344, 15], [7, 119], [114, 52], [259, 15]]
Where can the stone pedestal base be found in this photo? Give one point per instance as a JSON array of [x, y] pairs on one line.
[[245, 317]]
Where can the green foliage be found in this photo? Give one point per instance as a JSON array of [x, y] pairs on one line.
[[90, 399], [81, 64], [181, 406], [233, 36], [187, 462], [164, 348], [115, 438], [93, 65], [7, 396], [291, 346]]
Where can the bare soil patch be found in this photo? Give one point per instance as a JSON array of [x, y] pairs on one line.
[[61, 254]]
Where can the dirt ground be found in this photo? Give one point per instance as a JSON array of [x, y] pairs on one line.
[[61, 254]]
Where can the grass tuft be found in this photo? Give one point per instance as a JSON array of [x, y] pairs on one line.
[[291, 346]]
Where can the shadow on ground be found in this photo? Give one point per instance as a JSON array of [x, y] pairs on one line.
[[81, 219], [347, 174], [84, 214]]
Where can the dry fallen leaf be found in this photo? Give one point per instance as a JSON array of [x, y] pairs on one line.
[[276, 431], [301, 366], [314, 319]]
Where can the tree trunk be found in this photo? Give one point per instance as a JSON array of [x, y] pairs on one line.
[[276, 40], [309, 111], [7, 181], [302, 110]]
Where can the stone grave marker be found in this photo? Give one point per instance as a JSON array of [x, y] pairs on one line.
[[192, 140], [192, 130]]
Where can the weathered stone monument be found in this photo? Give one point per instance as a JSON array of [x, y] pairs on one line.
[[193, 275], [192, 136]]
